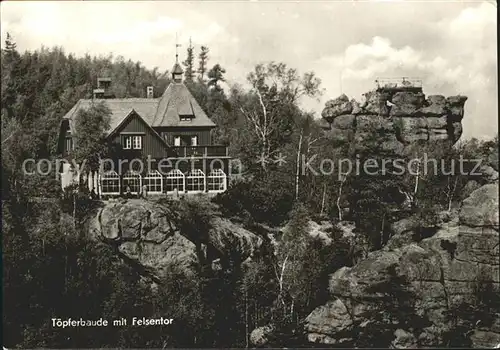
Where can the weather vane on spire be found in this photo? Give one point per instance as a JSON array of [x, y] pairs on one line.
[[177, 45]]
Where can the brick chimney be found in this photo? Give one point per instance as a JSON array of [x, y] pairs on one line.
[[103, 88], [150, 92]]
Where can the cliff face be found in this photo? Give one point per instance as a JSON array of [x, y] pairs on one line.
[[402, 117], [442, 273], [147, 235]]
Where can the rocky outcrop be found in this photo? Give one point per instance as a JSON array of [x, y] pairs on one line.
[[260, 336], [440, 273], [337, 107], [146, 234], [402, 116]]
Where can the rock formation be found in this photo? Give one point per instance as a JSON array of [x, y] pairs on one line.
[[402, 116], [146, 234], [442, 272]]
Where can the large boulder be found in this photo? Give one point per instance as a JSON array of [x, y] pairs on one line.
[[373, 123], [356, 107], [321, 231], [339, 136], [481, 208], [406, 103], [455, 107], [411, 129], [336, 107], [403, 340], [228, 238], [436, 106], [488, 174], [146, 234], [376, 103], [260, 336], [344, 122], [437, 122]]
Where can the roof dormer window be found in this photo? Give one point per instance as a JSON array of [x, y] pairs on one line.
[[186, 118], [177, 73]]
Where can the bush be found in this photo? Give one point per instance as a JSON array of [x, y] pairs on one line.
[[267, 198]]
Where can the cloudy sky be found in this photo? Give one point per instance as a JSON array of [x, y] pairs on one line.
[[451, 45]]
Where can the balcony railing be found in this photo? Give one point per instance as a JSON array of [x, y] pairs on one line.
[[200, 151]]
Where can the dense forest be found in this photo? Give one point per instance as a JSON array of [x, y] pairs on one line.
[[51, 269]]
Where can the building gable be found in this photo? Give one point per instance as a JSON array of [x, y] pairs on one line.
[[134, 124]]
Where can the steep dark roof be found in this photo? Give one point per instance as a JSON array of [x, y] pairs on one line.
[[120, 109], [166, 111], [177, 69], [177, 101]]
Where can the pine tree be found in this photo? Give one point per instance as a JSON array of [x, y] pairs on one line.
[[215, 75], [203, 60], [189, 64], [10, 76]]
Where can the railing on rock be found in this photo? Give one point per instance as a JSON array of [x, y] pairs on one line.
[[399, 83]]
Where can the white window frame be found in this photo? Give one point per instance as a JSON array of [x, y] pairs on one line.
[[195, 181], [128, 142], [135, 178], [70, 146], [175, 179], [195, 138], [177, 141], [137, 142], [109, 176], [151, 180], [217, 181]]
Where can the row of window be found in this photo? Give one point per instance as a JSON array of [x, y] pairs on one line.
[[194, 140], [135, 142], [154, 182], [132, 142]]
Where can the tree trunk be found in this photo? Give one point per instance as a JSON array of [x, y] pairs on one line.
[[74, 212], [297, 172], [451, 193], [340, 194], [246, 319], [382, 232], [415, 189], [323, 199], [282, 274]]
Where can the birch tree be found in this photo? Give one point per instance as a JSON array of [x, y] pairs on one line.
[[273, 105], [289, 259]]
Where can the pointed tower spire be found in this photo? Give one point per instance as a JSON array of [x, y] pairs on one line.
[[177, 45], [177, 69]]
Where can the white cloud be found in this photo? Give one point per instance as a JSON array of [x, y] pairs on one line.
[[141, 31], [461, 65]]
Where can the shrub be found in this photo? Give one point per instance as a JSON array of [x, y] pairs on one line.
[[267, 198]]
